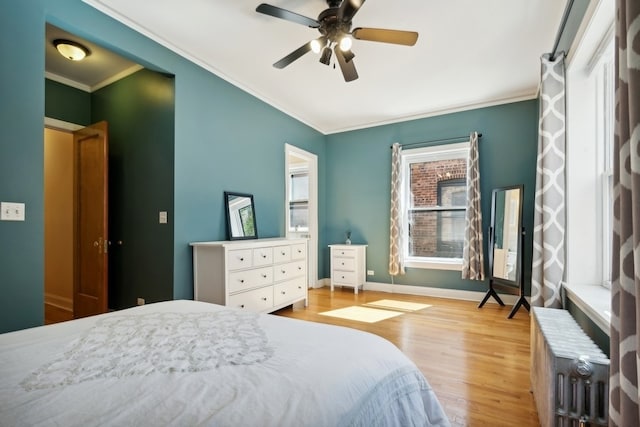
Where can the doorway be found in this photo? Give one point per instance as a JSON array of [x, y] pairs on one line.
[[301, 203], [75, 220]]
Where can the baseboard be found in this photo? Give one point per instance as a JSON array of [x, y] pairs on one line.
[[430, 292], [57, 301]]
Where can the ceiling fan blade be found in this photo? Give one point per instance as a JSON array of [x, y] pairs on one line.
[[348, 67], [293, 56], [348, 9], [287, 15], [407, 38]]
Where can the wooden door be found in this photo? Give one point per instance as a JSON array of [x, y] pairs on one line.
[[91, 220]]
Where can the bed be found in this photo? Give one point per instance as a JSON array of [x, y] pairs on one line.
[[188, 363]]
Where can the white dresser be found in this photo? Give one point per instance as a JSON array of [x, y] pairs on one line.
[[260, 275], [348, 265]]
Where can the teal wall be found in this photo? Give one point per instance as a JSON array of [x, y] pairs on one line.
[[66, 103], [360, 174], [225, 139], [140, 113]]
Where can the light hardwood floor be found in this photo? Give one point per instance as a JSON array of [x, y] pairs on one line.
[[476, 360]]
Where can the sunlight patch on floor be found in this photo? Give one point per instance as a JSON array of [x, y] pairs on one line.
[[362, 314]]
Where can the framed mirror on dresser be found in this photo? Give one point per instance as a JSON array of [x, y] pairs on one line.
[[241, 216], [506, 247]]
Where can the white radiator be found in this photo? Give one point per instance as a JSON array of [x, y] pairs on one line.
[[569, 372]]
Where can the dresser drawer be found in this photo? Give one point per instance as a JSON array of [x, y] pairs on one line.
[[281, 253], [239, 258], [299, 251], [247, 279], [289, 270], [344, 277], [256, 300], [288, 291], [346, 264], [262, 256]]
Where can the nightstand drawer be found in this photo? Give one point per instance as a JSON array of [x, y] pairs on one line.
[[349, 253], [344, 277], [344, 264]]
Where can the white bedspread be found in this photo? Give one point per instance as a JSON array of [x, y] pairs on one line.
[[186, 363]]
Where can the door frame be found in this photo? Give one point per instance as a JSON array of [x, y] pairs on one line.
[[312, 161]]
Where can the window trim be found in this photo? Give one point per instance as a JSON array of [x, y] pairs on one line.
[[415, 155]]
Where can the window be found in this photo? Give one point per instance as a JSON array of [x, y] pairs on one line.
[[299, 201], [434, 196], [605, 86]]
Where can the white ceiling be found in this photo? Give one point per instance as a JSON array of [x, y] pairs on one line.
[[469, 53]]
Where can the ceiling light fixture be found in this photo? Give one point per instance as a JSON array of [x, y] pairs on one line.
[[71, 50], [318, 44], [325, 58], [346, 43]]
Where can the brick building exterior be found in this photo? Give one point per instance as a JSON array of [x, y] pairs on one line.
[[437, 184]]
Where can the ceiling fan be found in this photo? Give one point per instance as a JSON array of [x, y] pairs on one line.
[[334, 25]]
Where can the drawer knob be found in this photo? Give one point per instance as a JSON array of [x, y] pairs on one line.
[[264, 298], [241, 258], [299, 268], [282, 292], [241, 280], [343, 277], [299, 287], [282, 253], [241, 305], [283, 272], [264, 255], [343, 263], [264, 276]]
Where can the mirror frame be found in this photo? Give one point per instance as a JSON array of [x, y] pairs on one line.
[[514, 287], [228, 195], [492, 238]]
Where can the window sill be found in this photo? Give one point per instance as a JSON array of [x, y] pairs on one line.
[[453, 264], [594, 301]]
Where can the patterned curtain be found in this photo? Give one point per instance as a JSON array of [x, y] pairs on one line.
[[396, 265], [549, 216], [625, 283], [473, 254]]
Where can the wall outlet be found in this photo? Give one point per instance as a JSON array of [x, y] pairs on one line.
[[162, 217], [370, 273], [10, 211], [140, 301]]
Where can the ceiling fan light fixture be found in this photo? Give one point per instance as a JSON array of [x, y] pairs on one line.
[[71, 50], [345, 43], [318, 44], [348, 55], [325, 58]]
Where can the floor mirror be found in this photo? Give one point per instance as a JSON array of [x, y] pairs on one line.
[[506, 247]]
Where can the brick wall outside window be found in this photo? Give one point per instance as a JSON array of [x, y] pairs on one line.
[[433, 233]]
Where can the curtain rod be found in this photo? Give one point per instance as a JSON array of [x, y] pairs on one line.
[[563, 23], [435, 141]]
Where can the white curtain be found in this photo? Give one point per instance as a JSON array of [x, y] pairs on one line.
[[549, 216], [473, 253], [624, 409], [396, 265]]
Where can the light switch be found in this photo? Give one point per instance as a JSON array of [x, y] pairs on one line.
[[10, 211], [163, 217]]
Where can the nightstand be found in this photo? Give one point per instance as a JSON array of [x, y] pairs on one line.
[[348, 265]]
